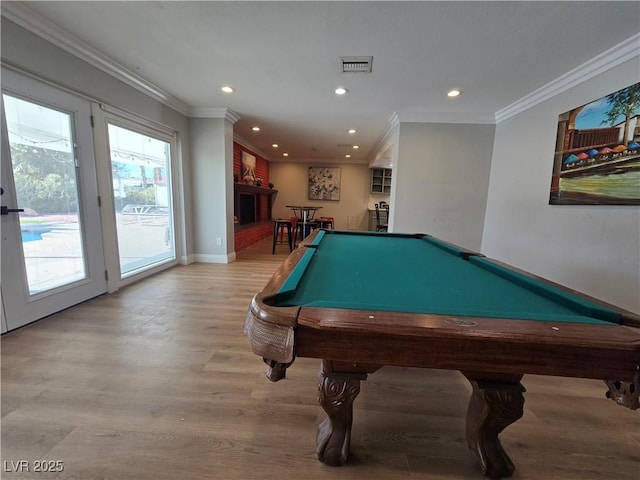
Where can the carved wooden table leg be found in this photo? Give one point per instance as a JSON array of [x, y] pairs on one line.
[[496, 402], [626, 394], [337, 391]]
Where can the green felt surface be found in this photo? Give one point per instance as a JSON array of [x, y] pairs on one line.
[[388, 272]]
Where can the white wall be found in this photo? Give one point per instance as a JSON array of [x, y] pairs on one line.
[[212, 165], [350, 212], [593, 249], [34, 55], [442, 174]]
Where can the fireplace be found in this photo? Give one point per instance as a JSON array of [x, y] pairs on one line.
[[247, 204], [252, 204]]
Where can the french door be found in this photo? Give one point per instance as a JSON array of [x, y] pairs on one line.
[[52, 253]]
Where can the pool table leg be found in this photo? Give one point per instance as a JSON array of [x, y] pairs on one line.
[[497, 401], [337, 389]]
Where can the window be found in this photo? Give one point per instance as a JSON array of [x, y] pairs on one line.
[[141, 179]]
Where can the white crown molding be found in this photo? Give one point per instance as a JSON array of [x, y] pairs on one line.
[[38, 25], [392, 127], [214, 112], [607, 60], [386, 140], [241, 141]]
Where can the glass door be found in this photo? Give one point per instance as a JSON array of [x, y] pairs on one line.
[[52, 255]]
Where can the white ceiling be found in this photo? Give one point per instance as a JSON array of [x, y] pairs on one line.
[[283, 59]]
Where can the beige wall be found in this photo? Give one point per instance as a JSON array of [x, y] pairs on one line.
[[350, 212]]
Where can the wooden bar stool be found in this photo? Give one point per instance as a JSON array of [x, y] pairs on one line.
[[279, 226]]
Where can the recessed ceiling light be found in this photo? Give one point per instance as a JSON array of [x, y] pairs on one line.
[[355, 147], [274, 145], [227, 89], [454, 93], [351, 131], [255, 129], [347, 156], [340, 91], [285, 154]]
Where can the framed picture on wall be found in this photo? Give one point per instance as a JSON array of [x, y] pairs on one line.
[[597, 158], [324, 183], [248, 167]]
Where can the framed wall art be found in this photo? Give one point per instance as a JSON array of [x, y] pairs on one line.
[[597, 157], [248, 166], [324, 183]]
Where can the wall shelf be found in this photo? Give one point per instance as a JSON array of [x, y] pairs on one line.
[[244, 188], [380, 180]]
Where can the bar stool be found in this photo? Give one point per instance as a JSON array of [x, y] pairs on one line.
[[299, 229], [326, 222], [279, 226]]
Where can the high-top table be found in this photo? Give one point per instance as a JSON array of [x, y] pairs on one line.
[[306, 213]]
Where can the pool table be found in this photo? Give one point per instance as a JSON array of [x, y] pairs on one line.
[[362, 300]]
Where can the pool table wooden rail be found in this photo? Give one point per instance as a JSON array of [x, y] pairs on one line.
[[609, 353], [453, 343]]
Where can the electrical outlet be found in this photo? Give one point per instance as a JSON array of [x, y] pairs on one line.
[[218, 241]]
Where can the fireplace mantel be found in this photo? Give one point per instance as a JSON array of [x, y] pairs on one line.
[[244, 188]]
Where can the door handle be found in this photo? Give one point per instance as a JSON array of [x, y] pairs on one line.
[[7, 210]]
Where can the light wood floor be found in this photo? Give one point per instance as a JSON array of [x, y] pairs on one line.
[[157, 382]]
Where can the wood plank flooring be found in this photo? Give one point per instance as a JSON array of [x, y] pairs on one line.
[[157, 382]]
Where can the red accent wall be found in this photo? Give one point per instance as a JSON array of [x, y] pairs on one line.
[[252, 234], [262, 164], [248, 236]]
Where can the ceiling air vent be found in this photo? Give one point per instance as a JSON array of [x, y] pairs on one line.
[[356, 64]]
